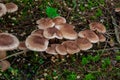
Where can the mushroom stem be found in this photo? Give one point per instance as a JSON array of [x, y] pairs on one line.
[[62, 57], [2, 54]]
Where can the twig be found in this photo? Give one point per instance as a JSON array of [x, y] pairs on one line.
[[107, 49], [13, 55], [116, 29]]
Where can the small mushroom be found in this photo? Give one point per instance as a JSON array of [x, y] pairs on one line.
[[4, 65], [51, 49], [22, 46], [11, 7], [83, 43], [67, 31], [61, 49], [102, 38], [51, 33], [59, 20], [71, 47], [90, 35], [45, 23], [36, 43], [117, 9], [96, 26], [38, 32], [3, 9]]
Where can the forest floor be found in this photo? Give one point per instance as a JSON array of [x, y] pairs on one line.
[[102, 62]]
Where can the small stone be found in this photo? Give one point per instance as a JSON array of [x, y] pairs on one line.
[[45, 74]]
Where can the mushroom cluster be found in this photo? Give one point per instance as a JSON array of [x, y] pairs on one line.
[[70, 42], [8, 7]]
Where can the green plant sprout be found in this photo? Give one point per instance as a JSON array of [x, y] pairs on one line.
[[89, 77], [70, 75], [85, 61], [51, 12], [105, 63], [118, 58], [98, 12], [90, 58], [117, 55], [13, 71]]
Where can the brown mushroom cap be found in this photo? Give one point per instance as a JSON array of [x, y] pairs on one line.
[[8, 42], [2, 54], [102, 38], [67, 31], [51, 49], [11, 7], [59, 20], [22, 46], [71, 47], [61, 49], [51, 33], [83, 43], [45, 23], [90, 35], [97, 26], [3, 9], [36, 43], [59, 26], [38, 32], [117, 9], [4, 65]]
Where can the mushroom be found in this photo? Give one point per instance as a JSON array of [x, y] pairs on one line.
[[3, 9], [61, 49], [51, 49], [51, 33], [36, 43], [67, 31], [71, 47], [11, 7], [102, 38], [90, 35], [96, 26], [2, 54], [59, 20], [8, 42], [4, 65], [38, 32], [59, 26], [83, 43], [45, 23], [22, 46], [117, 9]]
